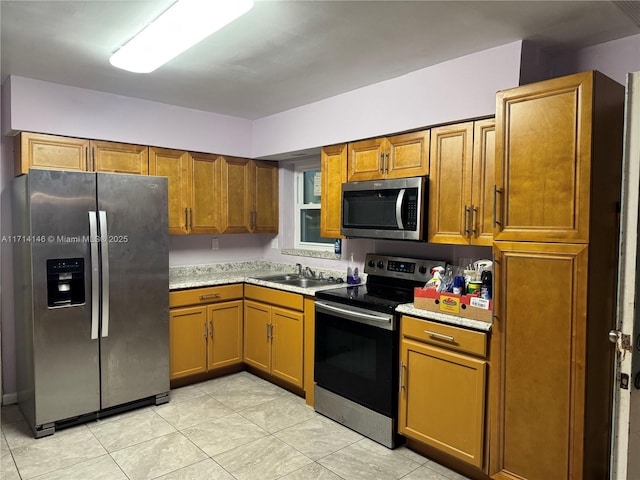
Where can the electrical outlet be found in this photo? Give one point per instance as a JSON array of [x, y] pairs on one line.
[[274, 242], [214, 244]]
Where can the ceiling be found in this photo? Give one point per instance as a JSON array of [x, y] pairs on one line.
[[284, 54]]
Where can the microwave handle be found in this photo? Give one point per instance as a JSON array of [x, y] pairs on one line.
[[399, 202]]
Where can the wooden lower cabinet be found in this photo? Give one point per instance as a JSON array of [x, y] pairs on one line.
[[273, 333], [442, 391], [205, 336]]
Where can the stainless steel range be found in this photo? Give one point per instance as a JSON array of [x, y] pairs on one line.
[[357, 346]]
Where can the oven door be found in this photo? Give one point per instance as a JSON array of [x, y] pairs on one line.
[[356, 355]]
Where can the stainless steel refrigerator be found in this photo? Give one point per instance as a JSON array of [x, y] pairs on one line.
[[91, 273]]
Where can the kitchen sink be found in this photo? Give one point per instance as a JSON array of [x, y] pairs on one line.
[[296, 280]]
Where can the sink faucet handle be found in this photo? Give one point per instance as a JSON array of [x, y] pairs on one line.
[[299, 267]]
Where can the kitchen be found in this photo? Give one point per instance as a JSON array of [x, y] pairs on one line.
[[70, 111]]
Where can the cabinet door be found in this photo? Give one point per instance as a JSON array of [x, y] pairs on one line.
[[333, 167], [538, 361], [257, 331], [119, 158], [286, 355], [50, 151], [225, 334], [543, 152], [408, 155], [442, 400], [204, 196], [484, 161], [173, 164], [366, 160], [236, 195], [450, 184], [188, 341], [265, 200]]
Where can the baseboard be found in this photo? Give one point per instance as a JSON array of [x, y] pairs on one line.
[[9, 398]]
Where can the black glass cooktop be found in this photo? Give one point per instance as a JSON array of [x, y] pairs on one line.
[[380, 297]]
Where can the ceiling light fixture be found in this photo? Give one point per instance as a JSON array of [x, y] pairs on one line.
[[181, 26]]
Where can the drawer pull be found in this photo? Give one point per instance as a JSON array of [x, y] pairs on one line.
[[440, 336], [209, 295]]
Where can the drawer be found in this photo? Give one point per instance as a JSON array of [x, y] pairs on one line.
[[199, 296], [293, 301], [445, 336]]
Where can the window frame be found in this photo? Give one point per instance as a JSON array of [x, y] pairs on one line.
[[299, 205]]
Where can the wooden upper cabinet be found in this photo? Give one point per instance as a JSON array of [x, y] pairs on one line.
[[34, 150], [249, 196], [119, 157], [450, 183], [205, 209], [483, 181], [400, 156], [408, 155], [333, 168], [543, 151], [173, 164], [265, 200], [461, 183], [236, 195]]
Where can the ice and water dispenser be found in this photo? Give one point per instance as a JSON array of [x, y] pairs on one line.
[[65, 282]]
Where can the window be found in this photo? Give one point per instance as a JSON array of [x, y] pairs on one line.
[[307, 208]]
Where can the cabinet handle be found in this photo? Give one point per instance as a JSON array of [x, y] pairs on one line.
[[496, 190], [267, 325], [205, 330], [271, 330], [86, 158], [381, 164], [465, 228], [186, 219], [386, 162], [211, 328], [440, 336], [93, 157], [474, 210], [190, 219], [209, 295], [402, 368]]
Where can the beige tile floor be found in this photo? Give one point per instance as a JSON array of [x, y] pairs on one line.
[[235, 427]]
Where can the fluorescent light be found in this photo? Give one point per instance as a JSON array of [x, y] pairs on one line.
[[184, 24]]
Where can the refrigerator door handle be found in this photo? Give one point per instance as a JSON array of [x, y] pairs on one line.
[[95, 274], [104, 248]]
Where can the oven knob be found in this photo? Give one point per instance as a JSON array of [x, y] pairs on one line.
[[371, 263], [422, 269], [380, 264]]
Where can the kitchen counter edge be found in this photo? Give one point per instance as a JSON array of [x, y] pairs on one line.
[[409, 309]]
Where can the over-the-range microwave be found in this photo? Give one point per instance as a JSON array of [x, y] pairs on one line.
[[386, 209]]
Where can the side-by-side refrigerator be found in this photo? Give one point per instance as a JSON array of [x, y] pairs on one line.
[[91, 271]]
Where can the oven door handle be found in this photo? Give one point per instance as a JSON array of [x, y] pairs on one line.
[[380, 321], [399, 202]]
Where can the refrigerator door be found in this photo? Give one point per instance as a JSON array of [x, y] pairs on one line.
[[65, 358], [135, 287]]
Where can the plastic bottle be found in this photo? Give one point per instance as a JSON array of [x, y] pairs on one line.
[[353, 277]]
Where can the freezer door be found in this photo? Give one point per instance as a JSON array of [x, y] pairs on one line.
[[65, 358], [135, 310]]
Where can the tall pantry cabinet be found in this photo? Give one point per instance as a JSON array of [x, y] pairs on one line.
[[558, 178]]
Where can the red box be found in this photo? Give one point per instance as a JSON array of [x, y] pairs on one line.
[[452, 304]]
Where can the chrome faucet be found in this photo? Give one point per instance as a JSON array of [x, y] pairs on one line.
[[308, 273], [299, 267]]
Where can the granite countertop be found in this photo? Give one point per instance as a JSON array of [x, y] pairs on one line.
[[454, 320], [242, 272]]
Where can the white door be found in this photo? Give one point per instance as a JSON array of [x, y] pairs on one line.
[[626, 412]]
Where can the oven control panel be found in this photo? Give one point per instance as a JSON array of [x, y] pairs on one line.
[[415, 269]]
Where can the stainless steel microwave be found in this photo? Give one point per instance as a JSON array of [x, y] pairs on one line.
[[386, 209]]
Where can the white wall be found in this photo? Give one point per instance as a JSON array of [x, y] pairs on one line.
[[46, 107], [457, 89], [615, 59]]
